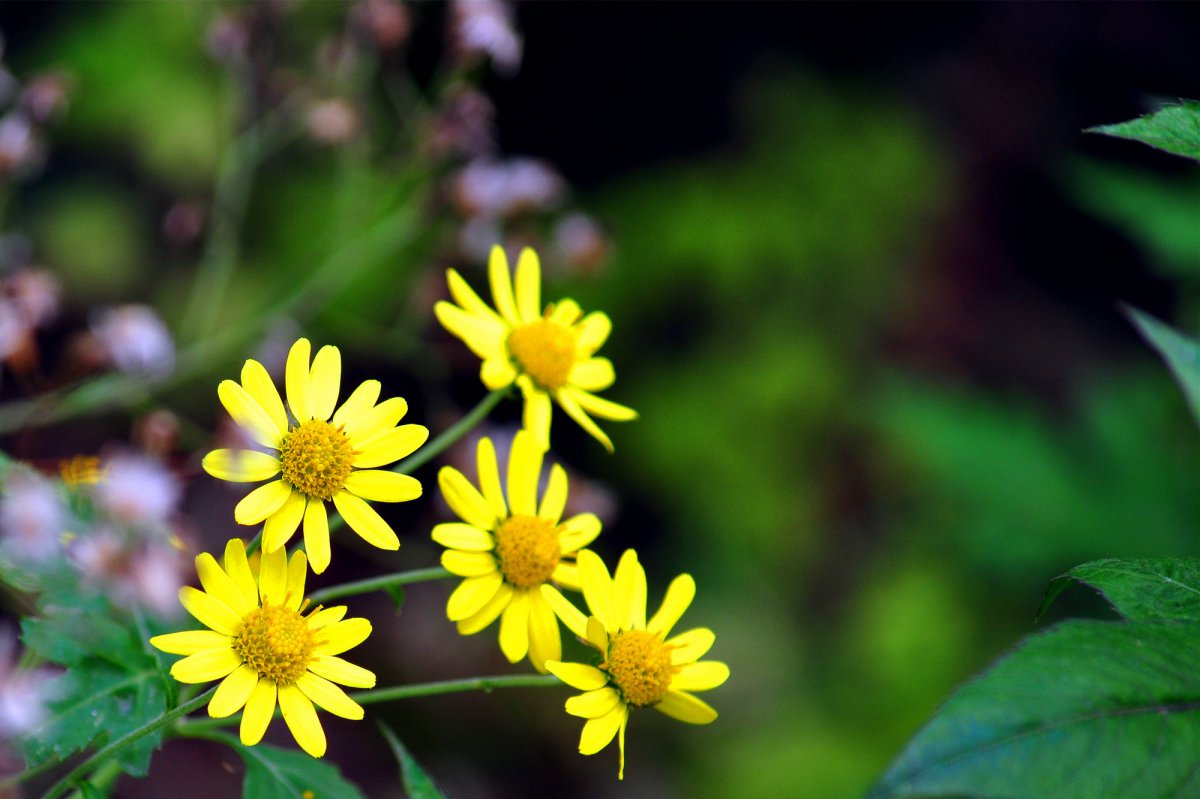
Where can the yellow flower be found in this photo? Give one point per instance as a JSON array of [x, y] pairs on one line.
[[319, 458], [507, 551], [262, 648], [549, 353], [640, 666]]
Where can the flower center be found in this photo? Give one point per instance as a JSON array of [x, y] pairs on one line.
[[640, 664], [545, 350], [275, 641], [528, 550], [316, 458]]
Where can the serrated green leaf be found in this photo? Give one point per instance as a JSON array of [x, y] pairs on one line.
[[274, 773], [1173, 128], [1144, 589], [417, 783], [1181, 353], [69, 637], [1086, 710]]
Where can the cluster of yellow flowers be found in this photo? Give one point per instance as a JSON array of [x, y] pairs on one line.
[[512, 548]]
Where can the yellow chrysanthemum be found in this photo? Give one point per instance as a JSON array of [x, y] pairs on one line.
[[549, 353], [640, 666], [508, 551], [319, 458], [262, 648]]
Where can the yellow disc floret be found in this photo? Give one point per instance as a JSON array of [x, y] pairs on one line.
[[528, 550], [316, 458], [640, 664], [545, 351], [276, 641]]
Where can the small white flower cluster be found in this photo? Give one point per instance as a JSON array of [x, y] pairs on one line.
[[485, 28], [135, 340]]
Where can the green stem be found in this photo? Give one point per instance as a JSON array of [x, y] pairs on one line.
[[378, 584], [102, 754]]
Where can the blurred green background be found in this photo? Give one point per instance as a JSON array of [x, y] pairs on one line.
[[864, 270]]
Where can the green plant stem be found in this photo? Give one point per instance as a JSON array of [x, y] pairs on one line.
[[378, 584], [105, 752]]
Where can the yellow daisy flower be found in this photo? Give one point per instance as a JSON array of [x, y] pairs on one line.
[[640, 666], [262, 648], [507, 551], [319, 458], [549, 353]]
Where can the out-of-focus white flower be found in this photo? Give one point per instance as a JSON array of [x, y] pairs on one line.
[[487, 187], [333, 121], [32, 517], [485, 27], [35, 292], [146, 574], [580, 242], [21, 150], [135, 339], [22, 691], [138, 490], [387, 22], [156, 575], [13, 329], [477, 237]]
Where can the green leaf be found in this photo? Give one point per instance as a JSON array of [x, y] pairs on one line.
[[1174, 128], [89, 791], [1087, 710], [1181, 353], [274, 773], [417, 783], [1145, 589], [396, 592]]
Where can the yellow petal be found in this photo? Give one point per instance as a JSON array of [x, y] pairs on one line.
[[514, 627], [536, 416], [529, 286], [209, 611], [629, 592], [578, 675], [488, 613], [603, 408], [363, 520], [358, 403], [497, 372], [456, 535], [211, 664], [594, 704], [297, 571], [598, 733], [248, 414], [489, 477], [567, 575], [570, 615], [240, 465], [466, 297], [381, 486], [328, 696], [390, 446], [281, 525], [595, 374], [686, 708], [702, 676], [568, 400], [262, 502], [325, 381], [220, 585], [592, 332], [555, 498], [544, 641], [690, 646], [259, 709], [298, 382], [258, 384], [596, 635], [237, 566], [346, 634], [316, 535], [621, 745], [464, 500], [189, 642], [679, 596], [468, 564], [524, 474], [484, 335], [501, 284], [272, 576], [471, 595], [566, 312], [597, 588], [301, 719], [378, 419], [233, 692], [325, 617], [577, 532], [341, 671]]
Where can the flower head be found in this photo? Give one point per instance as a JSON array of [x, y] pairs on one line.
[[639, 665], [549, 353], [321, 455], [264, 648], [507, 551]]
